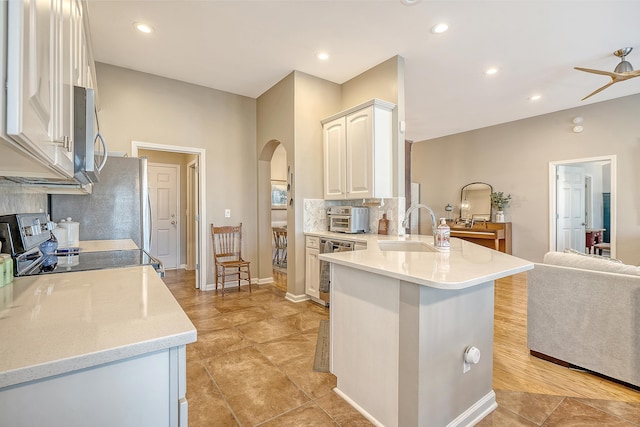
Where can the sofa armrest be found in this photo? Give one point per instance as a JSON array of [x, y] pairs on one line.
[[587, 318]]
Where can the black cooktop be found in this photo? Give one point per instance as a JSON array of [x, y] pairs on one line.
[[83, 261]]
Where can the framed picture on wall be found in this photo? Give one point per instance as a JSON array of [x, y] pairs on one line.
[[278, 194]]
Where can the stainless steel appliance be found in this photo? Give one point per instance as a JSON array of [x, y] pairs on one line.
[[88, 159], [348, 219], [89, 149], [22, 234], [118, 208], [330, 245]]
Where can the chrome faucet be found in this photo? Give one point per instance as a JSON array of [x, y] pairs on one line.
[[405, 222]]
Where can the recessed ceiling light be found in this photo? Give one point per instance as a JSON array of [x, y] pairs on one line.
[[491, 71], [409, 2], [535, 97], [143, 28], [322, 56], [439, 28]]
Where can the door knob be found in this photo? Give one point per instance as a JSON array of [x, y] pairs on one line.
[[173, 223]]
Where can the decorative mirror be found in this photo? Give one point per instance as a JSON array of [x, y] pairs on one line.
[[475, 201]]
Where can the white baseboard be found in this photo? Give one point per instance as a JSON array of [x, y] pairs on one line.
[[472, 416], [358, 408], [476, 412], [183, 266], [228, 285], [296, 298], [264, 281]]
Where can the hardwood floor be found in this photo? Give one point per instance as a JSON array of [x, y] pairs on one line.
[[261, 329], [515, 369]]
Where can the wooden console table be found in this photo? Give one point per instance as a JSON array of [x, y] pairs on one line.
[[494, 235], [593, 236]]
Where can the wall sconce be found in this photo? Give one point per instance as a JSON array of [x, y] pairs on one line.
[[577, 121]]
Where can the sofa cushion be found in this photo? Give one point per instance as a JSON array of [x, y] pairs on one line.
[[573, 251], [589, 263]]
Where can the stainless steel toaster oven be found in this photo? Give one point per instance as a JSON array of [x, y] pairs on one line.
[[348, 219]]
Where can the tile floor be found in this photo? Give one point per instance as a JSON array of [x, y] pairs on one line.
[[252, 366]]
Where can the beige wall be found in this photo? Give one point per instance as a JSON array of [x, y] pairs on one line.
[[514, 158], [143, 107], [274, 126], [290, 113], [384, 81]]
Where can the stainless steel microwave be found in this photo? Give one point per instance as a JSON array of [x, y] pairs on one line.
[[90, 148]]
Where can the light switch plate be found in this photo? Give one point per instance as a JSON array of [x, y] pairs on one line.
[[227, 213]]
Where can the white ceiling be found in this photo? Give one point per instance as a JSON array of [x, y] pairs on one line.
[[245, 47]]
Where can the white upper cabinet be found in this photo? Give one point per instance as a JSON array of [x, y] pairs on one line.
[[335, 133], [358, 152], [47, 54]]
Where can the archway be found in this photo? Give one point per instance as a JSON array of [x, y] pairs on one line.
[[266, 209]]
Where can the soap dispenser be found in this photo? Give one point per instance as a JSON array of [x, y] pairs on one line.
[[443, 235]]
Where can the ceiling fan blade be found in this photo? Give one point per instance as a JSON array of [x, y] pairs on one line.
[[599, 90], [591, 70]]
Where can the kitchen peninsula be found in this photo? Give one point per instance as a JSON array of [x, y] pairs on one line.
[[99, 348], [403, 317]]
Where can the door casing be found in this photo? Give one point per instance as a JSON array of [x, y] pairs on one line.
[[201, 275], [553, 208]]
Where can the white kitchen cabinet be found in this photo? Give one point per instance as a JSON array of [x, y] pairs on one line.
[[358, 152], [103, 348], [312, 267], [47, 53], [144, 391]]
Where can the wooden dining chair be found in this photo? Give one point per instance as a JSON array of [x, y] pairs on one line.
[[280, 241], [227, 256]]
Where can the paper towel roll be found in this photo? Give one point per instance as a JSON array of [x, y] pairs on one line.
[[62, 235], [73, 230]]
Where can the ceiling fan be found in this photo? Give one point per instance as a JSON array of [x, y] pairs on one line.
[[623, 71]]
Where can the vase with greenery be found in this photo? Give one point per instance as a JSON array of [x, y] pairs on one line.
[[500, 201]]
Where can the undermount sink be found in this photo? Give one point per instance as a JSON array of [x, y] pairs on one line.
[[406, 246]]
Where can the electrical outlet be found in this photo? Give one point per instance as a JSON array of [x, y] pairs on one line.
[[227, 213]]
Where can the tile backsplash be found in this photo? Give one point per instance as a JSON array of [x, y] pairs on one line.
[[16, 198], [315, 213]]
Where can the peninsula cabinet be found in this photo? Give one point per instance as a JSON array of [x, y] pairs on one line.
[[312, 267], [358, 154], [47, 53]]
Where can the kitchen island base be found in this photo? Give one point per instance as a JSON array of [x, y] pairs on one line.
[[397, 349], [143, 391]]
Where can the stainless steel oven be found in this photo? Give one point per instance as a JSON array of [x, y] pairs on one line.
[[21, 236]]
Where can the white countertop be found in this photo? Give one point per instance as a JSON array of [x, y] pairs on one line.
[[465, 265], [107, 245], [58, 323]]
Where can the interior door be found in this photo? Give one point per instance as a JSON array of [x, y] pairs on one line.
[[570, 182], [163, 192]]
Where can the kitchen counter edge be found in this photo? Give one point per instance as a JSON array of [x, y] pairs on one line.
[[182, 332], [422, 267]]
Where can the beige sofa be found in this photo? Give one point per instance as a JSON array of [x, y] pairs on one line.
[[585, 311]]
